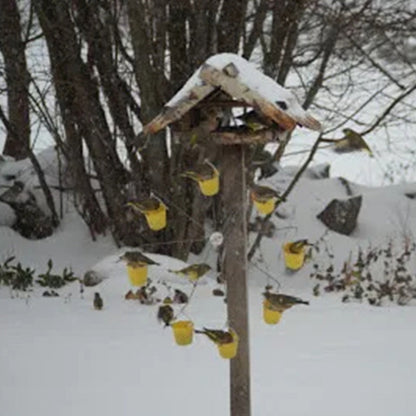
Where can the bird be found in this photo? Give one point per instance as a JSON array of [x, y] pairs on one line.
[[262, 193], [165, 314], [98, 301], [255, 121], [296, 247], [147, 205], [281, 302], [218, 336], [201, 172], [193, 272], [180, 297], [351, 142], [136, 259]]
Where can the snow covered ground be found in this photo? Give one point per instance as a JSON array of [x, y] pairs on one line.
[[59, 356]]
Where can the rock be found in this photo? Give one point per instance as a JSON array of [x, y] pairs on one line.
[[92, 278], [341, 215]]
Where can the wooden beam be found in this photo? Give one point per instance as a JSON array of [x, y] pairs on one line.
[[235, 270]]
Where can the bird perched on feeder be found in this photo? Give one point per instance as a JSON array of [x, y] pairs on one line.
[[149, 204], [280, 302], [98, 301], [180, 297], [255, 121], [193, 272], [297, 246], [218, 336], [263, 193], [136, 258], [165, 314], [202, 172]]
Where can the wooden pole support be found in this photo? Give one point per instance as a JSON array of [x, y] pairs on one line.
[[234, 270]]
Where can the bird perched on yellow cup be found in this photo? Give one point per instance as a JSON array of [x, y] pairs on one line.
[[280, 302], [193, 272], [98, 301], [263, 193], [297, 246], [136, 258], [201, 172], [218, 336]]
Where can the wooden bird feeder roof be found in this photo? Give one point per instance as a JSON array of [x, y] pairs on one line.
[[247, 86]]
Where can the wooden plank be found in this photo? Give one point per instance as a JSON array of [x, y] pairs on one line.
[[238, 90], [234, 270], [172, 114]]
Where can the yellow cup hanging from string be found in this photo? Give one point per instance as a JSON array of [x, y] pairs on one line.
[[210, 187], [293, 261], [137, 275], [156, 218], [183, 332], [230, 349], [265, 207], [270, 316]]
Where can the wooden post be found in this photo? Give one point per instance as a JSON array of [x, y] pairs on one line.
[[234, 270]]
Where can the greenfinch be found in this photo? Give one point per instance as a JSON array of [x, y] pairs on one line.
[[193, 272], [98, 301], [165, 314], [136, 258], [297, 246], [281, 302], [218, 336]]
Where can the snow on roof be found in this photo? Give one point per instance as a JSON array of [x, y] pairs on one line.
[[255, 80]]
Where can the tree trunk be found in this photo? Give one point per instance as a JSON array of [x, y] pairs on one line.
[[17, 78], [235, 270]]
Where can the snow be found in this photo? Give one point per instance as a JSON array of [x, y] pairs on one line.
[[59, 356], [251, 77]]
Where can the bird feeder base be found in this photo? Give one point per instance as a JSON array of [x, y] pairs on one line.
[[266, 207], [229, 350], [137, 275], [183, 332], [210, 187], [156, 219], [293, 261], [270, 316]]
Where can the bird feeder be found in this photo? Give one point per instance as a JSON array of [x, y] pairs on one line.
[[210, 187], [265, 207], [156, 218], [183, 332], [270, 316], [293, 261], [137, 274], [229, 350]]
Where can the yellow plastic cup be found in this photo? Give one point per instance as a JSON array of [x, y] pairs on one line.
[[137, 275], [210, 187], [183, 331], [230, 349], [266, 207], [156, 219], [293, 261], [270, 316]]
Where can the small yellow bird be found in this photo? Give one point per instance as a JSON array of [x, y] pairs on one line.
[[193, 272], [201, 172], [262, 193], [165, 314], [136, 258], [351, 142], [297, 246], [98, 301], [150, 204], [280, 302], [255, 122], [218, 336]]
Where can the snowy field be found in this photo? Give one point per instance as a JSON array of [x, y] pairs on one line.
[[59, 356]]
